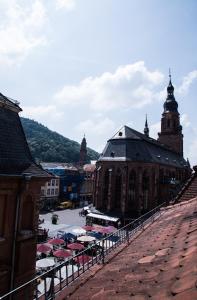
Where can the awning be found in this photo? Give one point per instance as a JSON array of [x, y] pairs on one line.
[[103, 217]]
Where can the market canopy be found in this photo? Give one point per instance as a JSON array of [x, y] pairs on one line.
[[75, 246], [62, 253], [44, 248], [86, 238], [56, 241], [45, 263]]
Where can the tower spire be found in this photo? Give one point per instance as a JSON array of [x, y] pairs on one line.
[[146, 129], [171, 130], [83, 152]]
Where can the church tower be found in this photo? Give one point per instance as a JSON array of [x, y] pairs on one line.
[[83, 152], [171, 130], [146, 129]]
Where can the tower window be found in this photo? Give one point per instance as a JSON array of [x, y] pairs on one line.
[[168, 123], [112, 154]]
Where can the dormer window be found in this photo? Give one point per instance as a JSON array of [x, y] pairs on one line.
[[112, 154]]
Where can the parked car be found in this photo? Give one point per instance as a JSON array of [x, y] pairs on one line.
[[65, 205]]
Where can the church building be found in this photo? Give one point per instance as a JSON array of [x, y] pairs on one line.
[[135, 172]]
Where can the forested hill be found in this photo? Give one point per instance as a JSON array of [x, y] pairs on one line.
[[49, 146]]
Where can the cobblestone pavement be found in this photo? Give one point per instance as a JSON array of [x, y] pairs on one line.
[[67, 216]]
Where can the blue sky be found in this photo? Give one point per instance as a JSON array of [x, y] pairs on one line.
[[91, 66]]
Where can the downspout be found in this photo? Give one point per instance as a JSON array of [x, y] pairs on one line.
[[18, 200], [22, 187]]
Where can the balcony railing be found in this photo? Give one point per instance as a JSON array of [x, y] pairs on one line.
[[50, 283]]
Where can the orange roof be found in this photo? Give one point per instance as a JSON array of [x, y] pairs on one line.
[[159, 264]]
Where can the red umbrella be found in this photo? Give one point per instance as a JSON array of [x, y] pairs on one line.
[[82, 259], [88, 228], [75, 246], [111, 228], [62, 253], [43, 248], [56, 241]]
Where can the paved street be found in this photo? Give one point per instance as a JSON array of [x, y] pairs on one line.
[[67, 216]]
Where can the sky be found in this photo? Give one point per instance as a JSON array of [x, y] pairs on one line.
[[91, 66]]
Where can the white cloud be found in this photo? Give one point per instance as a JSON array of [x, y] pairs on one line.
[[154, 129], [66, 4], [97, 130], [185, 122], [40, 112], [130, 86], [187, 81], [98, 127], [20, 30], [192, 153]]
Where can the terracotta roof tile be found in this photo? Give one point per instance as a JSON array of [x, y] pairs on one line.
[[159, 264]]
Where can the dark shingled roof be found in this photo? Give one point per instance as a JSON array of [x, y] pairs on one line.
[[15, 156], [130, 145]]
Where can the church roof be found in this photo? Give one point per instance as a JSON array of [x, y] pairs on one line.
[[130, 145], [15, 156]]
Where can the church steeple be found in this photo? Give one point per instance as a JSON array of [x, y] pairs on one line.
[[83, 152], [171, 130], [146, 129], [170, 105]]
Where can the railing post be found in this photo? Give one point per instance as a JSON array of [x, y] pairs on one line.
[[127, 235], [52, 285], [103, 254]]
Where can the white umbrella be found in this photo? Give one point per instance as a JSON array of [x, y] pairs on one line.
[[86, 238], [41, 286], [78, 231], [70, 270], [45, 262]]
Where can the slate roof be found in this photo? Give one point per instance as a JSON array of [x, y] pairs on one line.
[[130, 145], [15, 156], [159, 264]]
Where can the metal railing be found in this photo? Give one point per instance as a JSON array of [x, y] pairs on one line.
[[51, 282]]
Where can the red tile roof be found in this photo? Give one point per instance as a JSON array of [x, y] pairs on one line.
[[161, 263]]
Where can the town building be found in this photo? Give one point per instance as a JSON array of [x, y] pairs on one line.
[[70, 179], [20, 185], [87, 185], [136, 172], [50, 193]]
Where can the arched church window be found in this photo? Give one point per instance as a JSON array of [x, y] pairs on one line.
[[145, 190], [161, 176], [132, 186], [3, 206], [27, 217], [118, 190], [105, 189], [168, 123]]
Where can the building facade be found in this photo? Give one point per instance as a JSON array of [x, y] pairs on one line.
[[87, 185], [135, 173], [20, 184], [50, 193], [70, 179]]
